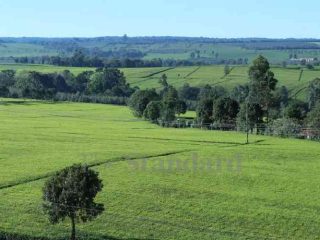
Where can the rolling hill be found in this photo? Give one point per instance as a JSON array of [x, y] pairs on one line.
[[159, 183]]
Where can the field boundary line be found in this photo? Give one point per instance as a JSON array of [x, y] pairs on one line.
[[192, 72], [94, 164], [300, 75], [225, 75], [196, 141], [155, 73], [149, 77], [299, 91]]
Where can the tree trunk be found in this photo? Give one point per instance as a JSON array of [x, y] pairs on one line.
[[73, 229]]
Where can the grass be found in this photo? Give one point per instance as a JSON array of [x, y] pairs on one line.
[[43, 68], [265, 190], [189, 114], [214, 75]]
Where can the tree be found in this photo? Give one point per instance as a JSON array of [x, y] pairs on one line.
[[310, 66], [78, 59], [170, 100], [68, 77], [168, 111], [125, 38], [227, 70], [189, 93], [285, 127], [284, 64], [164, 80], [70, 194], [6, 80], [314, 92], [104, 80], [240, 93], [249, 116], [281, 97], [314, 117], [153, 111], [212, 92], [170, 94], [29, 85], [225, 110], [204, 111], [181, 107], [140, 99], [296, 109], [81, 81], [198, 53], [262, 83]]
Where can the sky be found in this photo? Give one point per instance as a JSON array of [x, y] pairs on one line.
[[194, 18]]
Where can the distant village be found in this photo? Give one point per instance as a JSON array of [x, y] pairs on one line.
[[303, 60]]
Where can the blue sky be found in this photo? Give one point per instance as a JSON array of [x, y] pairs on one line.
[[210, 18]]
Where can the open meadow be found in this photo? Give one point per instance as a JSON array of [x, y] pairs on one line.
[[158, 183]]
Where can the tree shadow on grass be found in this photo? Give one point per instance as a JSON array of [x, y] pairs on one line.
[[27, 102], [18, 102]]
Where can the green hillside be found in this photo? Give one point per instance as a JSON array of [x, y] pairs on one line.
[[223, 189], [195, 76]]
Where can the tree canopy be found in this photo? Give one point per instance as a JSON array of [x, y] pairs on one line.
[[70, 193]]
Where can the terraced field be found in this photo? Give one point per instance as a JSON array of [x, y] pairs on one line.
[[159, 183]]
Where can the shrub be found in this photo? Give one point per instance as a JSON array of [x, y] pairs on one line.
[[284, 127]]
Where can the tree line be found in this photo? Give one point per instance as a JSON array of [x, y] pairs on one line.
[[104, 85], [260, 105], [158, 106], [79, 59]]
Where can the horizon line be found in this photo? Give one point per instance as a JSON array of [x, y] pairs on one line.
[[162, 36]]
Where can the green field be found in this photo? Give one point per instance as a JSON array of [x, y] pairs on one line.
[[195, 76], [182, 51], [268, 189], [214, 75], [42, 68], [25, 49]]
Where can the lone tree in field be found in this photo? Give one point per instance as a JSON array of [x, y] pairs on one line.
[[70, 194]]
